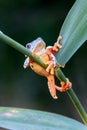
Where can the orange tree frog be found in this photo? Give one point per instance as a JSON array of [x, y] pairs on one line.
[[38, 47]]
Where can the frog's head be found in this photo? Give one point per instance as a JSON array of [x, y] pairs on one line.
[[36, 46]]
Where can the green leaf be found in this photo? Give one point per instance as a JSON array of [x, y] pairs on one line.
[[73, 31], [24, 119]]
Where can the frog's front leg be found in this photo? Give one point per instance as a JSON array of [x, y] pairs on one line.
[[57, 45], [51, 64], [55, 48], [51, 50], [26, 63]]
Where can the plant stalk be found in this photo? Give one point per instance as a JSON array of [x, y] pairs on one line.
[[58, 73], [20, 48]]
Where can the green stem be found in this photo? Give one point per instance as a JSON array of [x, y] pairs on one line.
[[78, 105], [20, 48], [58, 73]]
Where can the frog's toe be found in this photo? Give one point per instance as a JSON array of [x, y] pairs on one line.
[[57, 45], [50, 67]]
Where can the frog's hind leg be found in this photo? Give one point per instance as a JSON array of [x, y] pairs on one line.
[[52, 86], [64, 86]]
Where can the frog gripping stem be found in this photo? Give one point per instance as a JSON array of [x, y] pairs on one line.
[[57, 44], [38, 47], [51, 50], [64, 86], [52, 87]]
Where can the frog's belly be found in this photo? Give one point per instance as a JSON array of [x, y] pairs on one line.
[[38, 69]]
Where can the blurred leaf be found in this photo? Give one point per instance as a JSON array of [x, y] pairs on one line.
[[74, 31], [24, 119]]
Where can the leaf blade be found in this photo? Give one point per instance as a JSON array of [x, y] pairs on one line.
[[24, 119], [73, 31]]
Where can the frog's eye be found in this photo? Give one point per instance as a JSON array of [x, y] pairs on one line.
[[28, 46]]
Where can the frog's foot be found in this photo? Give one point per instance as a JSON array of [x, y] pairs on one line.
[[50, 68], [57, 45], [52, 86], [64, 86], [26, 63]]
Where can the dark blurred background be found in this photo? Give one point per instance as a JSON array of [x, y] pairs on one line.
[[24, 21]]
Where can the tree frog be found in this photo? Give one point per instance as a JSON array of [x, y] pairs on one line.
[[38, 47]]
